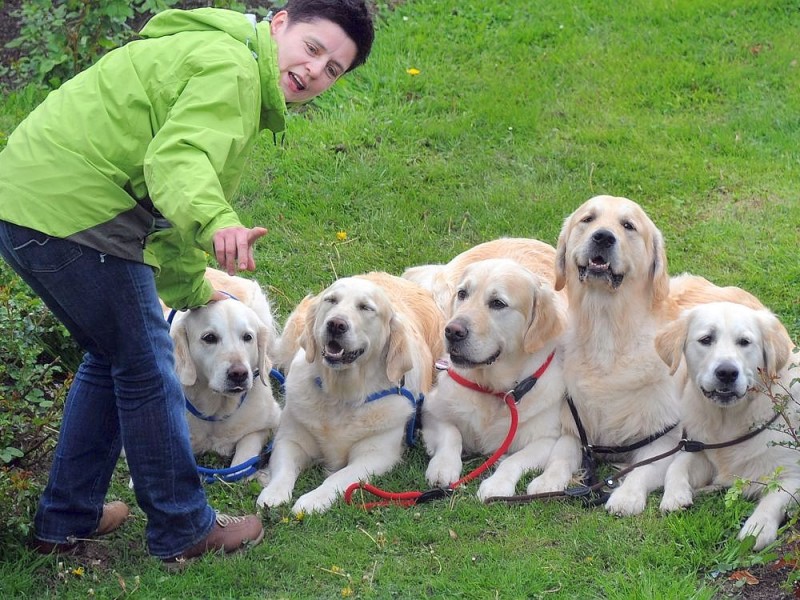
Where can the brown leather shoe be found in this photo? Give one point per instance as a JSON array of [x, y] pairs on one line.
[[114, 515], [229, 534]]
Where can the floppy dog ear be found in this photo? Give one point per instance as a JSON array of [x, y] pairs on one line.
[[263, 338], [561, 255], [184, 365], [658, 270], [548, 321], [670, 342], [306, 318], [777, 343], [399, 359]]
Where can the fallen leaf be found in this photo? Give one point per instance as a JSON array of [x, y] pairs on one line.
[[748, 577]]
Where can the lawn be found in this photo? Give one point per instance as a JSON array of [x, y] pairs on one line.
[[474, 120]]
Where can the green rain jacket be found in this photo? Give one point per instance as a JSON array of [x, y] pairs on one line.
[[140, 155]]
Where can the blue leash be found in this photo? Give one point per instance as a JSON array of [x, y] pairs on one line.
[[248, 467]]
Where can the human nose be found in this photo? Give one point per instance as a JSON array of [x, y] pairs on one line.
[[316, 67]]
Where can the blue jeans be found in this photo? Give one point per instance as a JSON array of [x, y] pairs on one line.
[[125, 393]]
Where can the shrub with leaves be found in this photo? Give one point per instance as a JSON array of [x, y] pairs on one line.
[[36, 361], [62, 37]]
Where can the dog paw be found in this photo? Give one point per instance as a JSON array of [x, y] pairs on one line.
[[625, 503], [495, 486], [441, 473], [676, 500], [764, 530], [272, 496], [543, 484], [262, 476], [314, 501]]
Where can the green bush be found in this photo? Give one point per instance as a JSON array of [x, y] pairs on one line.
[[61, 38], [36, 362]]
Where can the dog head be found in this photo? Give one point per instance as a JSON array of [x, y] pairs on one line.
[[725, 346], [609, 242], [501, 308], [352, 323], [220, 345]]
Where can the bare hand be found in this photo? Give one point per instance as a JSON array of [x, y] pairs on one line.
[[233, 247]]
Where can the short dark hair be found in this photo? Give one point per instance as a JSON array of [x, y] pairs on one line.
[[353, 16]]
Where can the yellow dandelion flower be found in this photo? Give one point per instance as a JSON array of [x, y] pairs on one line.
[[285, 520], [347, 592], [341, 235], [78, 572], [413, 72], [300, 516], [336, 569]]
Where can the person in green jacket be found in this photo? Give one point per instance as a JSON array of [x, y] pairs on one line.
[[113, 192]]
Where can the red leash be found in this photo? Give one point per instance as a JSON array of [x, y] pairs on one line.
[[415, 497]]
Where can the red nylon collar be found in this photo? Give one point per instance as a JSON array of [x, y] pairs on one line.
[[526, 384]]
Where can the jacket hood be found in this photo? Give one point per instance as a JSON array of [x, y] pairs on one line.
[[242, 28]]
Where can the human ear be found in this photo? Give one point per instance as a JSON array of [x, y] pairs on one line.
[[279, 21]]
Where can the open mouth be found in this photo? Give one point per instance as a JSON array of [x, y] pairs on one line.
[[462, 361], [297, 82], [334, 354], [599, 268], [721, 396]]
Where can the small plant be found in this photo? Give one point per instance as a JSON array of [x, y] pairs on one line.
[[62, 38], [35, 366]]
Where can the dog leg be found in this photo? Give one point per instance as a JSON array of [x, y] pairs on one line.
[[630, 498], [565, 459], [249, 446], [287, 460], [688, 472], [444, 444], [504, 480], [371, 457], [768, 516]]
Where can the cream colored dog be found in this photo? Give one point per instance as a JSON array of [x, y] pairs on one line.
[[358, 341], [222, 360], [612, 262], [504, 329], [736, 359], [442, 279]]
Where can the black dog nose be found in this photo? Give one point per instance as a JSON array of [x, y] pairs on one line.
[[336, 326], [237, 374], [604, 238], [726, 372], [455, 331]]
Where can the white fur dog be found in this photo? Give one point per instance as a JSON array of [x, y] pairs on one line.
[[222, 360], [504, 329], [736, 360], [612, 261], [357, 342]]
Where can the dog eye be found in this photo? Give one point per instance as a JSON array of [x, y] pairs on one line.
[[366, 307], [210, 338], [461, 294], [587, 219], [247, 337], [629, 226], [743, 342], [331, 300], [706, 340], [497, 304]]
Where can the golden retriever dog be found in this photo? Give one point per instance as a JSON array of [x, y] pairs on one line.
[[504, 329], [612, 262], [365, 356], [736, 359], [442, 279], [222, 360]]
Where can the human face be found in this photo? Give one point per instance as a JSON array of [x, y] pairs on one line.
[[311, 56]]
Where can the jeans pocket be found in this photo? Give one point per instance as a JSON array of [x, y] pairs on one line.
[[40, 253]]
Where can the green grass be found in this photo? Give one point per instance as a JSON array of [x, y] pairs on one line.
[[522, 110]]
